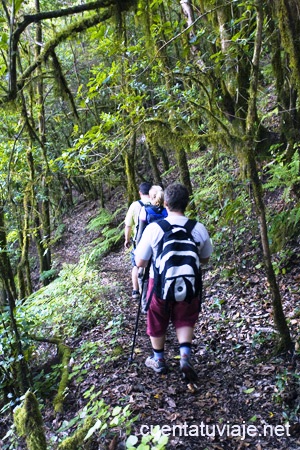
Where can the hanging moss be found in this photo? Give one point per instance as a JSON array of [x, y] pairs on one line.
[[29, 423]]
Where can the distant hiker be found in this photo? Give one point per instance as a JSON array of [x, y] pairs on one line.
[[180, 306], [149, 213], [153, 211], [131, 230]]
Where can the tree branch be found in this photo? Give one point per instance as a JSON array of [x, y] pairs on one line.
[[73, 29], [110, 5]]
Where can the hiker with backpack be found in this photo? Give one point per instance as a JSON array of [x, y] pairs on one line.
[[131, 230], [177, 247], [149, 213], [153, 211]]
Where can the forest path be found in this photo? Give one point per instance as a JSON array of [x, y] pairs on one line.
[[233, 406]]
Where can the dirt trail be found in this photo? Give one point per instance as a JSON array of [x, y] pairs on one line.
[[234, 405]]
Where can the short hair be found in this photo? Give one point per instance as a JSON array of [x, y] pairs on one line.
[[156, 195], [145, 187], [176, 197]]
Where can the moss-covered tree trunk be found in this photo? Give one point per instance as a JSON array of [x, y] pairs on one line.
[[29, 423], [289, 26], [132, 191], [45, 202], [23, 269], [164, 156], [6, 271], [286, 66], [250, 151], [153, 163], [183, 167], [19, 365], [37, 233]]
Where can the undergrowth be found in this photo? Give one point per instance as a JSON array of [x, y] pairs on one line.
[[75, 300]]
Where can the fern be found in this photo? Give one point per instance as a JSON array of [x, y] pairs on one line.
[[284, 175], [110, 238], [285, 225], [111, 233], [101, 220]]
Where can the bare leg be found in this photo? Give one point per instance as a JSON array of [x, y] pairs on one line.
[[135, 282], [158, 343], [185, 334]]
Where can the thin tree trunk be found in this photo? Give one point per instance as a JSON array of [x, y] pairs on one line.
[[184, 172], [251, 130], [45, 206], [37, 234], [132, 191], [153, 164]]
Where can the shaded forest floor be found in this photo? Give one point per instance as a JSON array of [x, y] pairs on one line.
[[245, 394]]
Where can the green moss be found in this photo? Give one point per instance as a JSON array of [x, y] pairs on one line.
[[65, 352], [288, 31], [117, 351], [29, 423], [74, 442]]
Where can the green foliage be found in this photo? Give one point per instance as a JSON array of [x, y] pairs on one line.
[[284, 176], [110, 235], [70, 301], [95, 418], [148, 85], [48, 274], [58, 233], [287, 381], [75, 300], [95, 355], [284, 225], [10, 355], [63, 308], [263, 338], [222, 202], [154, 440]]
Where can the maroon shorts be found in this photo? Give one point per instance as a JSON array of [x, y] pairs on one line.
[[181, 314]]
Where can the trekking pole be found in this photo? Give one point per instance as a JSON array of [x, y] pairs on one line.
[[130, 359]]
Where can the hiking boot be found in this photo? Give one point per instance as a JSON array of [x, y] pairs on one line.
[[135, 295], [187, 369], [158, 365]]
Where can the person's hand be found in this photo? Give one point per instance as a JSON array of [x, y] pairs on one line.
[[127, 244]]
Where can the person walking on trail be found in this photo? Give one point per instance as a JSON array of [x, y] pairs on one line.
[[153, 211], [182, 314], [149, 213], [131, 230]]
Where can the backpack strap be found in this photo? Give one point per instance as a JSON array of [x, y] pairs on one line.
[[190, 225], [137, 233], [164, 225]]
